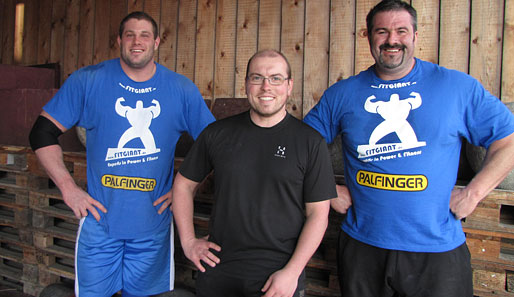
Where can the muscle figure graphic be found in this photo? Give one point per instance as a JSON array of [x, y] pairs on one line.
[[140, 118], [395, 113]]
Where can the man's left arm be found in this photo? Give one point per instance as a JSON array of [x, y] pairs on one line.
[[498, 163], [284, 282]]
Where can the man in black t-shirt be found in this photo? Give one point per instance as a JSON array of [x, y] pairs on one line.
[[273, 181]]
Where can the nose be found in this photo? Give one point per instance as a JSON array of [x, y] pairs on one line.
[[136, 39], [392, 38], [265, 83]]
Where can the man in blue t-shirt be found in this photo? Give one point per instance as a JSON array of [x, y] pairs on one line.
[[133, 110], [402, 122]]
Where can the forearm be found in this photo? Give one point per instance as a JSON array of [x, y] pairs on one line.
[[310, 237], [183, 207], [498, 163], [51, 158]]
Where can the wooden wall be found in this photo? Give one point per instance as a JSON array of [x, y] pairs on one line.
[[210, 41]]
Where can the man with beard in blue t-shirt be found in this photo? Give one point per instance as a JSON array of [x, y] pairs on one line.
[[402, 122]]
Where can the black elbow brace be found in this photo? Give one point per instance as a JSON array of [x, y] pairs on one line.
[[43, 133]]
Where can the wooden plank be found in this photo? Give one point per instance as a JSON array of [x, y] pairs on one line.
[[428, 30], [507, 90], [71, 37], [317, 30], [205, 43], [342, 40], [57, 39], [486, 40], [454, 34], [2, 29], [293, 16], [153, 8], [269, 24], [186, 39], [30, 33], [118, 12], [135, 5], [44, 31], [101, 37], [363, 58], [86, 33], [168, 33], [8, 36], [246, 41], [225, 49]]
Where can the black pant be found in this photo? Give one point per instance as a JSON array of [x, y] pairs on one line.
[[214, 284], [368, 271]]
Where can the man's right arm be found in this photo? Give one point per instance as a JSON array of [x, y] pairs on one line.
[[43, 139], [195, 249]]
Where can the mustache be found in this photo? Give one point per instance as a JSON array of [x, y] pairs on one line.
[[391, 46]]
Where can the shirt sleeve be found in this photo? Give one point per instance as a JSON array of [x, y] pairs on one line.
[[319, 181], [321, 118], [487, 118], [68, 103], [197, 114]]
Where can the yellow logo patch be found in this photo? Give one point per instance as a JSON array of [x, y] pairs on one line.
[[393, 182], [128, 183]]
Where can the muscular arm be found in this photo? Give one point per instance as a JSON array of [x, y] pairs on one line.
[[195, 249], [51, 158], [285, 281], [498, 163]]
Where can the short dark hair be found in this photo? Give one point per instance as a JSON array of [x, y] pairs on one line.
[[139, 15], [269, 53], [391, 5]]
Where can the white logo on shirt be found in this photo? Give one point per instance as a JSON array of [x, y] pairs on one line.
[[140, 119], [281, 152], [395, 113]]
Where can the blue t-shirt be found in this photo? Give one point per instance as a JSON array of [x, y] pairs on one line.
[[131, 129], [401, 146]]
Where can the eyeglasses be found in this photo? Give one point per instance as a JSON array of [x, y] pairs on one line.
[[275, 80]]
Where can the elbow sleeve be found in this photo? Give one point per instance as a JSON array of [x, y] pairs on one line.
[[43, 133]]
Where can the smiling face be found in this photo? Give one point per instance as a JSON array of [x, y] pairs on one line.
[[392, 42], [268, 102], [137, 44]]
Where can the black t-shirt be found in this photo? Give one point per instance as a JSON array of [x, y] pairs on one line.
[[263, 178]]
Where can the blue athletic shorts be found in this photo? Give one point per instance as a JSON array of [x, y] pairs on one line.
[[104, 265]]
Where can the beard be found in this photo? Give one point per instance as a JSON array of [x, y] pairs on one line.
[[140, 63], [391, 63]]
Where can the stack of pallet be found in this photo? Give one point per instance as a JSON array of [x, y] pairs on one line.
[[490, 238], [19, 267], [54, 225]]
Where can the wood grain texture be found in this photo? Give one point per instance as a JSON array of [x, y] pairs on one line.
[[186, 39], [8, 32], [86, 33], [454, 34], [71, 44], [101, 37], [342, 40], [58, 38], [293, 47], [168, 33], [317, 28], [427, 47], [205, 35], [225, 49], [246, 41], [269, 24], [507, 90], [486, 42], [44, 32]]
